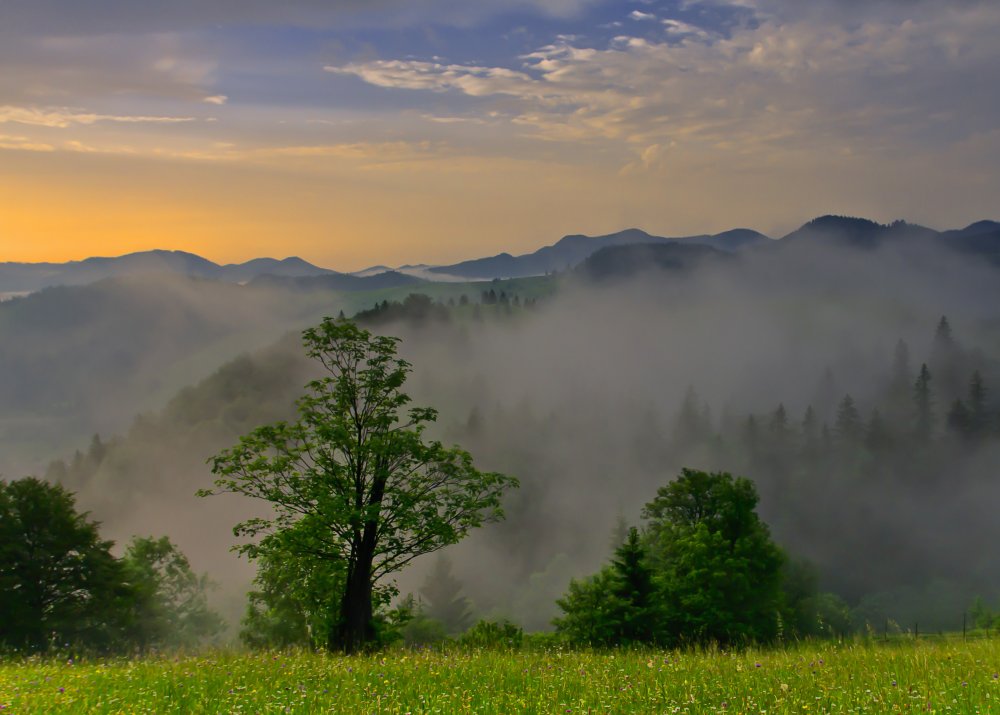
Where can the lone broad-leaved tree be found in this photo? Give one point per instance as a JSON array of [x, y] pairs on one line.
[[353, 481]]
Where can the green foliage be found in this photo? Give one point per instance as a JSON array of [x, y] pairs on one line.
[[61, 586], [171, 599], [290, 605], [416, 308], [59, 583], [982, 616], [719, 570], [704, 571], [830, 616], [617, 606], [493, 634], [633, 589], [591, 613], [353, 480], [420, 630]]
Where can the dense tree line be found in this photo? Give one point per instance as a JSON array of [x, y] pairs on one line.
[[865, 478], [703, 569], [61, 587]]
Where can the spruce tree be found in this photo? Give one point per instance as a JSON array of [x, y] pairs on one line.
[[924, 406], [978, 414], [810, 433], [633, 589], [900, 383], [878, 439], [848, 428], [946, 359], [689, 429], [959, 420], [444, 600], [778, 424]]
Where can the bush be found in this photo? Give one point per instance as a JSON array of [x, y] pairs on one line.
[[493, 634], [422, 631]]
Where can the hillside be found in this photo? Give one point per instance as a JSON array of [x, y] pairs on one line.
[[28, 277], [571, 250], [599, 393]]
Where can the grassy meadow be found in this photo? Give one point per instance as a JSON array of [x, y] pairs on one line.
[[934, 677]]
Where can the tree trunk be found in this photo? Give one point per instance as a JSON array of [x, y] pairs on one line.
[[354, 629]]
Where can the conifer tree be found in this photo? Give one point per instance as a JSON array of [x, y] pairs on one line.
[[848, 428], [634, 590], [689, 429], [443, 595], [946, 359], [878, 439], [900, 383], [978, 414], [778, 425], [924, 406], [959, 419], [810, 433]]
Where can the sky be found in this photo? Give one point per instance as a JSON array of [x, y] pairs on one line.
[[361, 132]]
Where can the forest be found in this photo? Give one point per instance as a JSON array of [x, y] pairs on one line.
[[864, 496]]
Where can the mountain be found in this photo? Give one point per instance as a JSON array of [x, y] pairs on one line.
[[28, 277], [840, 230], [733, 240], [82, 359], [978, 240], [372, 271], [616, 262], [571, 250], [291, 267], [338, 281]]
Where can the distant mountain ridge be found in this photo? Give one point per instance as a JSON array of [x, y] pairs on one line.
[[626, 260], [571, 250], [338, 281], [979, 240], [16, 277]]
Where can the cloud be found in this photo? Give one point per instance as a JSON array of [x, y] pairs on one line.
[[410, 74], [639, 15], [62, 117], [373, 152], [69, 70], [680, 29], [23, 144], [786, 85], [100, 17], [218, 99]]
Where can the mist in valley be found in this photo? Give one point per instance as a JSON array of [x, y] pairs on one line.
[[600, 393]]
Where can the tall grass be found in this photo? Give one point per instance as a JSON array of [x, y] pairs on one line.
[[860, 677]]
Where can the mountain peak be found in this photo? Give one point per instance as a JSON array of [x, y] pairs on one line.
[[984, 226], [832, 222]]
